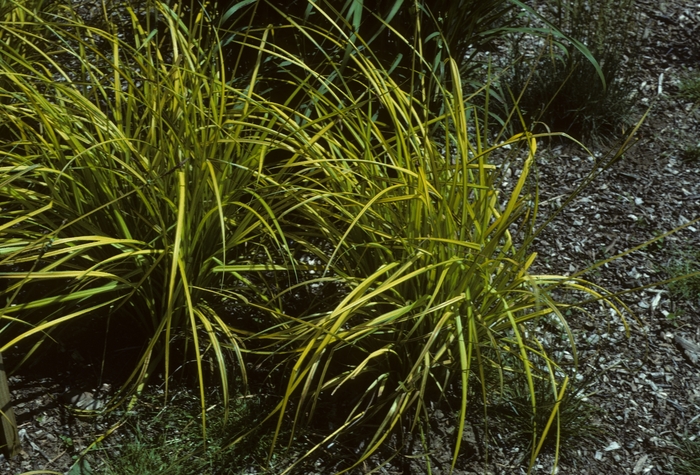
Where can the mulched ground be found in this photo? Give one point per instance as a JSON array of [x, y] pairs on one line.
[[647, 384]]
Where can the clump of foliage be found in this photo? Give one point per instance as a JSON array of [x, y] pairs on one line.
[[688, 463], [165, 438], [128, 177], [691, 153], [390, 31], [349, 241], [585, 93], [690, 87], [574, 416], [684, 268]]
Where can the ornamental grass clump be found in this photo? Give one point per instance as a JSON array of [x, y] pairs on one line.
[[130, 171], [587, 94], [428, 253], [351, 242]]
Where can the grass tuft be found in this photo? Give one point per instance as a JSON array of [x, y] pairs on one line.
[[684, 266], [165, 438], [561, 86], [574, 417], [688, 462], [690, 87]]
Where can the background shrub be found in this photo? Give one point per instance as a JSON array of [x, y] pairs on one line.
[[389, 31], [560, 86]]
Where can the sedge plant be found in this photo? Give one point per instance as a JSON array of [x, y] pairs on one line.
[[561, 86], [129, 171], [406, 216]]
